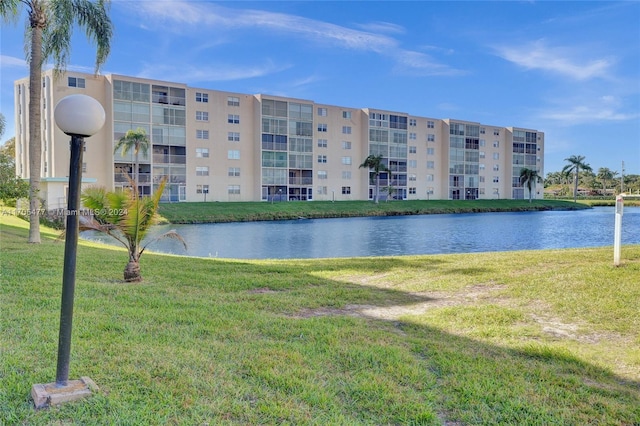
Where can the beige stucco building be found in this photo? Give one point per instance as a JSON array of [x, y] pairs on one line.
[[213, 145]]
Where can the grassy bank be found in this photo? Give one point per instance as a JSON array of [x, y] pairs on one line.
[[251, 211], [538, 337]]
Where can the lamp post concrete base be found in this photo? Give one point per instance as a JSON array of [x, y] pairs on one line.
[[51, 394]]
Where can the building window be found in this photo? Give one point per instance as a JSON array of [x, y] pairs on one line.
[[482, 130], [346, 174], [346, 115], [346, 145], [202, 171], [431, 165], [233, 137], [412, 164], [322, 112], [496, 144], [322, 143], [202, 116], [431, 137], [496, 132], [202, 97], [346, 130], [429, 178], [234, 171], [233, 189], [431, 151], [233, 119], [202, 152], [413, 178], [322, 158], [233, 154], [322, 127], [84, 167], [202, 134], [481, 154], [321, 190], [413, 149], [233, 101], [412, 191], [76, 82], [430, 125], [481, 179], [481, 166], [412, 136], [496, 156], [496, 168], [346, 161], [483, 142], [346, 190], [202, 189], [496, 179], [412, 122], [322, 174]]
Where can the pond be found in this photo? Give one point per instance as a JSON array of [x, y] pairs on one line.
[[400, 235]]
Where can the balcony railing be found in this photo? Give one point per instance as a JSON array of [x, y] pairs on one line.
[[124, 178], [300, 181], [169, 159]]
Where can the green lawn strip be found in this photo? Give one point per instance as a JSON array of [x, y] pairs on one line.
[[280, 342], [252, 211]]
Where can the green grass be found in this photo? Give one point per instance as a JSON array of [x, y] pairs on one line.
[[251, 211], [534, 337]]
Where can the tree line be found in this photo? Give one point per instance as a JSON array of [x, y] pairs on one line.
[[577, 177]]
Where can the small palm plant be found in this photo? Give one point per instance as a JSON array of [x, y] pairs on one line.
[[126, 217]]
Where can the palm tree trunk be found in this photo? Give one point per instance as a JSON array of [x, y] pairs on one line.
[[132, 272], [377, 197], [135, 176], [575, 187], [35, 142]]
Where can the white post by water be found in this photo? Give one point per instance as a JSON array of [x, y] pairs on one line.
[[618, 230]]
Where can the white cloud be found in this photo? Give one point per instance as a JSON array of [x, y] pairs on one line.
[[582, 114], [559, 60], [183, 16], [581, 110], [382, 27], [12, 61], [417, 63], [217, 72]]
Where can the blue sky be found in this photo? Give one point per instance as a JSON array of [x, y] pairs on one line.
[[570, 69]]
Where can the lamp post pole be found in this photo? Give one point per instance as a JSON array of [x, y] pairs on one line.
[[70, 251], [79, 116]]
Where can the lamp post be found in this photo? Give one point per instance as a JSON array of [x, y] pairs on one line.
[[78, 116]]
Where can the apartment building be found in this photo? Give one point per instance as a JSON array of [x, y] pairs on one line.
[[213, 145]]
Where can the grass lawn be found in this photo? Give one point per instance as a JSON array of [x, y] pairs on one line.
[[533, 337], [251, 211]]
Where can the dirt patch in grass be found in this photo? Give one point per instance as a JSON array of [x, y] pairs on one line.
[[430, 300]]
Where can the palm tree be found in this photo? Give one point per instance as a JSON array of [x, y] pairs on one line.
[[135, 141], [127, 218], [49, 29], [605, 175], [576, 163], [374, 162], [529, 177]]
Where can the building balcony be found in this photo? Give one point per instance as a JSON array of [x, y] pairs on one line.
[[169, 159], [300, 181]]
